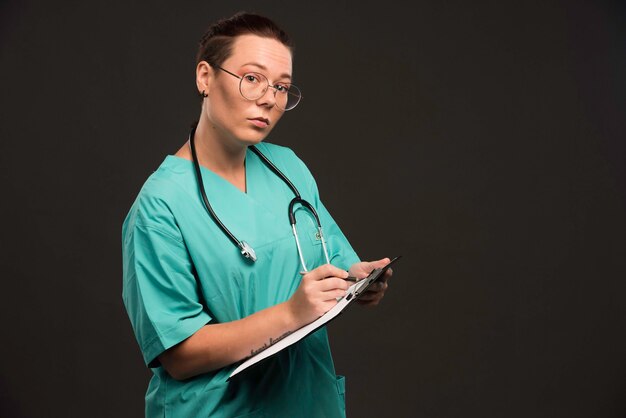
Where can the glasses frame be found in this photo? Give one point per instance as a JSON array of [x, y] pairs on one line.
[[265, 91]]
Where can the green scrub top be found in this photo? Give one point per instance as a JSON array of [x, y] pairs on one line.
[[181, 272]]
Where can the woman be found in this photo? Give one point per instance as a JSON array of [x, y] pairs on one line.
[[197, 305]]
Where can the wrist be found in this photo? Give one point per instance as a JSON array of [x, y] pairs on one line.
[[288, 313]]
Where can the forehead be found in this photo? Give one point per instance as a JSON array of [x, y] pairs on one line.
[[266, 52]]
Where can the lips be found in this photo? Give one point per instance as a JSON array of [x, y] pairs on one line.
[[260, 122]]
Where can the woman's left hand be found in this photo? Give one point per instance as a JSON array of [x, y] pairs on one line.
[[376, 291]]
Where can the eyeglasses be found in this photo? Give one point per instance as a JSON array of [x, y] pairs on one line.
[[253, 86]]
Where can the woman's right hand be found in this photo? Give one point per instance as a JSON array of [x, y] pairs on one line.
[[318, 293]]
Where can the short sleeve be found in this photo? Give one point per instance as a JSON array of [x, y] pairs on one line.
[[160, 290]]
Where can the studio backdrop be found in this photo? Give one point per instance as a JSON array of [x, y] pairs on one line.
[[482, 141]]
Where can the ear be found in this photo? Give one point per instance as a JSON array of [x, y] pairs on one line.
[[204, 77]]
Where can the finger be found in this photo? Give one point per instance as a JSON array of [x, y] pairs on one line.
[[381, 263], [328, 270], [376, 288], [370, 298], [333, 294], [385, 277], [372, 265], [362, 272], [332, 283]]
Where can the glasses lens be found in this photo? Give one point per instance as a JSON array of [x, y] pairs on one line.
[[289, 98], [253, 85]]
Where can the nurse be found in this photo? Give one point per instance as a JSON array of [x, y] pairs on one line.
[[197, 306]]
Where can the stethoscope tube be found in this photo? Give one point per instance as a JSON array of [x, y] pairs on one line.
[[246, 250], [243, 246], [292, 221]]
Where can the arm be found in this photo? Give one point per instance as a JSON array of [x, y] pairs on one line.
[[217, 345], [171, 324]]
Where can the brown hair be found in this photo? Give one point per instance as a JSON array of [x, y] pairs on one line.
[[216, 44]]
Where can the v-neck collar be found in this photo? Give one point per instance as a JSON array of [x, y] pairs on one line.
[[256, 216], [207, 171]]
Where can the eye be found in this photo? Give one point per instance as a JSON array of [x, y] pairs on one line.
[[251, 78], [282, 88]]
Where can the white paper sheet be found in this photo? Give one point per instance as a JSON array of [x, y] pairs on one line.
[[274, 347]]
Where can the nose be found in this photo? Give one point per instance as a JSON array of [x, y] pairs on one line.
[[268, 99]]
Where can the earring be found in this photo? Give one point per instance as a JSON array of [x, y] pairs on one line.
[[203, 94]]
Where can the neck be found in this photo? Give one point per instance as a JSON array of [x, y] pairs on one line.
[[218, 154], [224, 158]]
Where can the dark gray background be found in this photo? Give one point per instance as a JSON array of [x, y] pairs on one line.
[[492, 131]]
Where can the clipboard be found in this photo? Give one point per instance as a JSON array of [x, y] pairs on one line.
[[354, 292], [362, 285]]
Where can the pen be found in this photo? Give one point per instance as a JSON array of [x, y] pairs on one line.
[[348, 279]]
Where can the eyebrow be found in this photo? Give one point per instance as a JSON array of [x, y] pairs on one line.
[[283, 75]]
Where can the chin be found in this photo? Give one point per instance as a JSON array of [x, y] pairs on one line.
[[253, 138]]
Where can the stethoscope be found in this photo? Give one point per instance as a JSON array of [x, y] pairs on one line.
[[246, 250]]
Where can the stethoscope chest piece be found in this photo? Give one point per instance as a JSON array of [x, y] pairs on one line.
[[247, 251]]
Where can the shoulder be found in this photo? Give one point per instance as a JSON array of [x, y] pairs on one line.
[[156, 202], [285, 159], [169, 181]]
